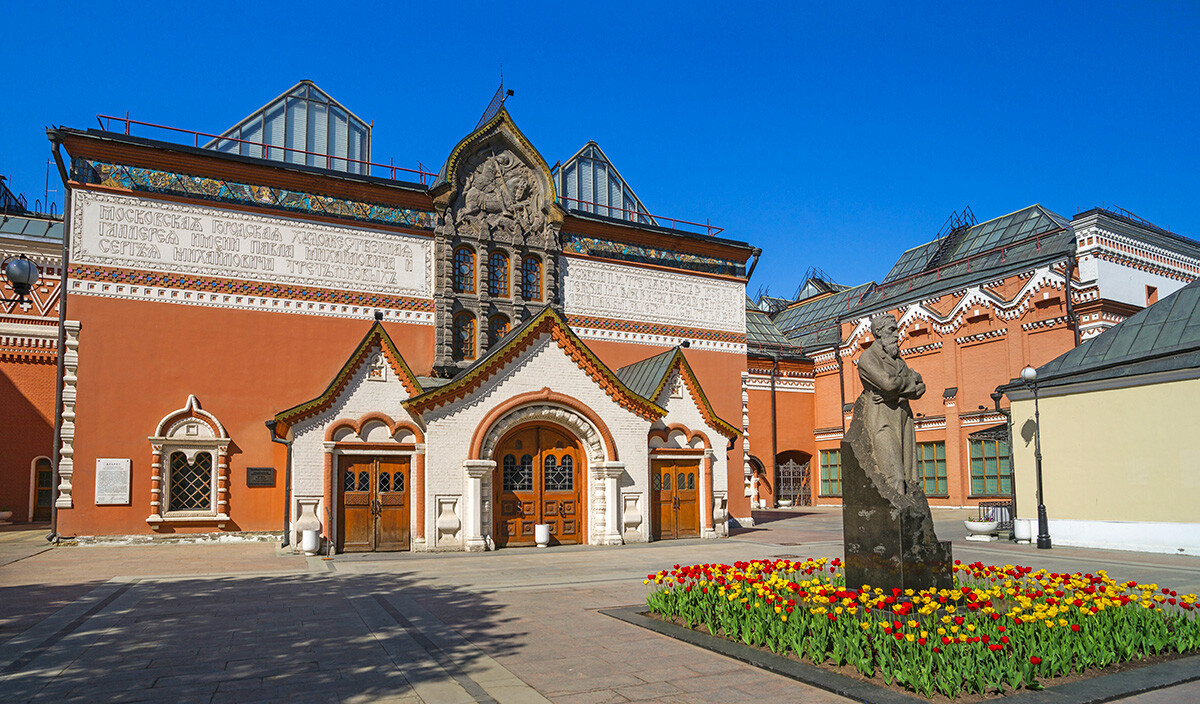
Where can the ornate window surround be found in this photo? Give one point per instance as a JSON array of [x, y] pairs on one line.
[[499, 284], [190, 430], [499, 325], [531, 278], [463, 282], [465, 345]]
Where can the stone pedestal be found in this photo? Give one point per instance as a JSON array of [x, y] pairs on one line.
[[889, 538]]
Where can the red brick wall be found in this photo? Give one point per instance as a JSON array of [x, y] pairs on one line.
[[27, 392]]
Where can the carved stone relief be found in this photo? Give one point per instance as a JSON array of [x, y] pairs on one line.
[[500, 200], [501, 203]]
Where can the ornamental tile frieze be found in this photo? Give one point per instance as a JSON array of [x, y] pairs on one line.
[[595, 247], [133, 178]]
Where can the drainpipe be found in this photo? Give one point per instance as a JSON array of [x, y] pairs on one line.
[[62, 332], [1070, 304], [774, 426], [287, 484], [837, 355], [756, 253]]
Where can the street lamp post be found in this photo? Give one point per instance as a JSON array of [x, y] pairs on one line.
[[22, 274], [1029, 376]]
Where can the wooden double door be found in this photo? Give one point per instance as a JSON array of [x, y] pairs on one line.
[[674, 499], [373, 503], [540, 471]]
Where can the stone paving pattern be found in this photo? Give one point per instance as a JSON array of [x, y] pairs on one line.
[[249, 623]]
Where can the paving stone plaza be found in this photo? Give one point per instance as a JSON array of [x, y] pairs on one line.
[[245, 623]]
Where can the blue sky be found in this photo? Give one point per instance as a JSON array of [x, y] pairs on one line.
[[834, 135]]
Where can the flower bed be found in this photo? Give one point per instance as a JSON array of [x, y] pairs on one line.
[[1000, 628]]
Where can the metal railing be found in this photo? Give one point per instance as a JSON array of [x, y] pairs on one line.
[[126, 125], [426, 177], [1118, 210], [676, 224]]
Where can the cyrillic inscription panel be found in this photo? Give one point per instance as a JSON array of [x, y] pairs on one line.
[[647, 295], [123, 231]]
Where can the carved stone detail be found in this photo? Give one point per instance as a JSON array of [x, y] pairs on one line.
[[501, 201], [576, 424], [66, 452]]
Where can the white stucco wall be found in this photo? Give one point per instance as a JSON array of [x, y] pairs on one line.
[[360, 397], [449, 429]]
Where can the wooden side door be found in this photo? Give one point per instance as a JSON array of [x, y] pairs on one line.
[[674, 499], [517, 498], [43, 492], [392, 526], [356, 515], [559, 501], [662, 499], [687, 509]]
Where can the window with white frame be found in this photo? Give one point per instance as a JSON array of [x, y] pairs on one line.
[[189, 467]]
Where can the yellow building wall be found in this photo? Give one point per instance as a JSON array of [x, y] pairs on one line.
[[1130, 454]]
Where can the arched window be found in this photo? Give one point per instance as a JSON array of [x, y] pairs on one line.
[[497, 328], [464, 336], [531, 278], [498, 275], [463, 275]]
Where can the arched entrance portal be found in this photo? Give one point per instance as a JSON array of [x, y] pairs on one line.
[[540, 478]]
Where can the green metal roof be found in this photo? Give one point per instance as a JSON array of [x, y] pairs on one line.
[[814, 323], [41, 228], [760, 329], [1164, 337], [643, 378], [991, 249]]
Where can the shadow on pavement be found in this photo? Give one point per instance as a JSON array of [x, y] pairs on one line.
[[260, 638]]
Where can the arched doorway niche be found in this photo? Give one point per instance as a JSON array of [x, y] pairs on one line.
[[599, 478]]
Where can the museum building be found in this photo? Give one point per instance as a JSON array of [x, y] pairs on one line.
[[975, 305], [259, 335], [263, 332]]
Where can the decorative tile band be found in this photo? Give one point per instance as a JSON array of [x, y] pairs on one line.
[[134, 178], [250, 295], [621, 251], [582, 321]]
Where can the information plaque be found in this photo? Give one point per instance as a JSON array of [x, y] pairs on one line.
[[112, 481], [260, 476]]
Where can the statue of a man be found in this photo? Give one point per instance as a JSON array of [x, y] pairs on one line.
[[888, 384]]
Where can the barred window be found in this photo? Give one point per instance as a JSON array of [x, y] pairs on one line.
[[831, 472], [531, 278], [464, 336], [931, 462], [189, 484], [498, 275], [463, 276], [497, 328], [991, 468]]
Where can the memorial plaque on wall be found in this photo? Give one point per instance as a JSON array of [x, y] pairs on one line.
[[260, 476], [112, 481]]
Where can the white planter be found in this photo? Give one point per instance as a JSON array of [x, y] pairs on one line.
[[5, 516], [310, 543], [541, 534], [785, 502], [1023, 530], [982, 531]]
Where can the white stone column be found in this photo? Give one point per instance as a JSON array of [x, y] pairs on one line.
[[66, 451], [610, 474], [476, 471], [708, 476]]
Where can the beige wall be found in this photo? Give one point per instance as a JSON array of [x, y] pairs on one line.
[[1129, 454]]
